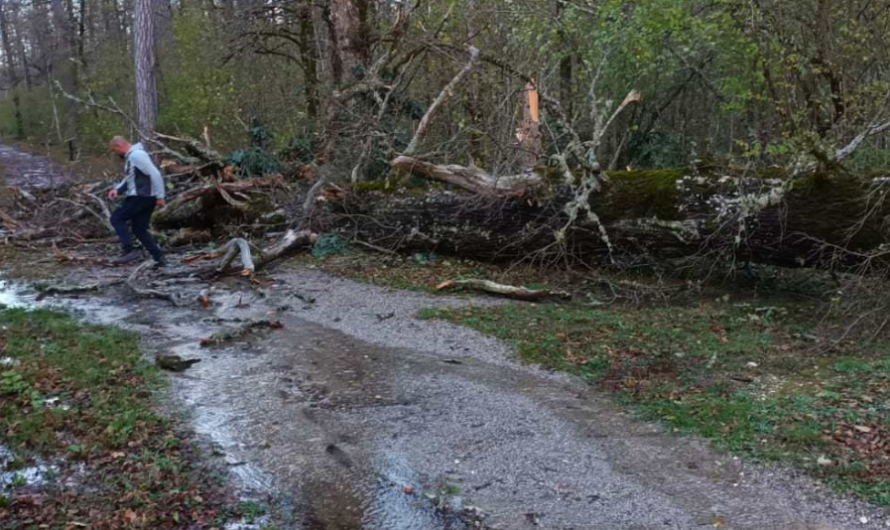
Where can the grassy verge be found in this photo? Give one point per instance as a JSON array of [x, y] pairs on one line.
[[745, 377], [84, 446]]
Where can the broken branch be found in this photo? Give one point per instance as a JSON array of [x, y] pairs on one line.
[[508, 291]]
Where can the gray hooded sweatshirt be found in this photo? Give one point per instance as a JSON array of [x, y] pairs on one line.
[[141, 177]]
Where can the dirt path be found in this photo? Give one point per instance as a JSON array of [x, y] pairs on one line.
[[354, 399], [358, 415]]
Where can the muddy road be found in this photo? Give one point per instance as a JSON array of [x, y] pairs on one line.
[[357, 415]]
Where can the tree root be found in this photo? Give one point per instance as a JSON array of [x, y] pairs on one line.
[[149, 293], [508, 291]]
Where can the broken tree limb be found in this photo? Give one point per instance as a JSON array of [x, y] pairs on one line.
[[148, 293], [443, 98], [197, 205], [105, 220], [508, 291], [845, 152], [290, 242], [237, 246], [195, 148], [471, 178]]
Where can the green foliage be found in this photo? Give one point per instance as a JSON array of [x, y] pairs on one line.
[[329, 244]]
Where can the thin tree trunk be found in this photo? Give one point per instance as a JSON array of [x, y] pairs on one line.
[[11, 72], [566, 67], [474, 105], [146, 86]]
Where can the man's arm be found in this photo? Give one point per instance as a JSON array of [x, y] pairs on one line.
[[143, 162]]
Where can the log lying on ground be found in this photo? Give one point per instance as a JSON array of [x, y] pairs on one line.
[[814, 221], [291, 242], [507, 291]]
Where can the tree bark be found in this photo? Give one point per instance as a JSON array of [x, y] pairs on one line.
[[11, 71], [146, 85], [818, 221], [309, 57], [345, 32]]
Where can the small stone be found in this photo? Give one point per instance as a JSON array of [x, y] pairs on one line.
[[408, 489], [863, 520], [752, 365], [822, 461]]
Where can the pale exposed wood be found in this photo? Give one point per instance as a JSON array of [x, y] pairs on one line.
[[471, 179], [529, 132], [507, 291]]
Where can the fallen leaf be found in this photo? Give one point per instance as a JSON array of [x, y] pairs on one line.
[[863, 428]]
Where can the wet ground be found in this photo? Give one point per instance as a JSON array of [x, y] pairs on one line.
[[356, 415], [25, 169]]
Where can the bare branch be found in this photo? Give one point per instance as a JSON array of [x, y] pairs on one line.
[[443, 98]]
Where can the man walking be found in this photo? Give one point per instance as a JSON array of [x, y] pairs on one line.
[[143, 190]]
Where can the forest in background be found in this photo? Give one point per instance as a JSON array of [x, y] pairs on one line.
[[752, 82]]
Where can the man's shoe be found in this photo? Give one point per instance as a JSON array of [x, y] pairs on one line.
[[129, 257], [161, 263]]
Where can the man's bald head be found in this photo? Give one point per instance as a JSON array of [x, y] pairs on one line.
[[119, 145]]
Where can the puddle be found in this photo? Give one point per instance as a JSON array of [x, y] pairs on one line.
[[27, 476], [33, 171], [9, 295]]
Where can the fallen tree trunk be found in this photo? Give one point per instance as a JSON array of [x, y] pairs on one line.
[[815, 221]]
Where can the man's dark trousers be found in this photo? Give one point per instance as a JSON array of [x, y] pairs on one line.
[[136, 211]]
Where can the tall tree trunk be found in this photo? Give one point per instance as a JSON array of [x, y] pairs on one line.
[[146, 85], [309, 58], [11, 71], [22, 52], [345, 29]]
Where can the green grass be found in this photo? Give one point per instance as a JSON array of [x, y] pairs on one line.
[[80, 395], [745, 377]]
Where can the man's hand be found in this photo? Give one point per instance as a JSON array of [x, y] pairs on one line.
[[161, 203], [112, 194]]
